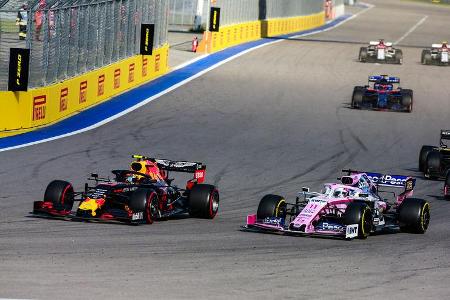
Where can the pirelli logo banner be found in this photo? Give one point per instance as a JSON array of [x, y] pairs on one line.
[[214, 19], [19, 60], [39, 107], [147, 35]]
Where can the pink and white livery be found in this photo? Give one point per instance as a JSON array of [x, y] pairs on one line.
[[350, 209]]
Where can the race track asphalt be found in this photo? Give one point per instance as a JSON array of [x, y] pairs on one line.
[[271, 121]]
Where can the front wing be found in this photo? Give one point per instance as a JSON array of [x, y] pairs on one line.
[[349, 232], [45, 210]]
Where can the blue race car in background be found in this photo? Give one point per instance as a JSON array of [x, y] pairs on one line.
[[383, 93]]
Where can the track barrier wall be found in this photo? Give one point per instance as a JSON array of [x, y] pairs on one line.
[[232, 35], [25, 111], [44, 105]]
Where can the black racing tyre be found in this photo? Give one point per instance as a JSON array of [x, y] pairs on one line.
[[357, 96], [147, 202], [359, 213], [407, 100], [61, 194], [426, 57], [399, 57], [433, 164], [423, 157], [271, 206], [363, 54], [203, 201], [414, 215]]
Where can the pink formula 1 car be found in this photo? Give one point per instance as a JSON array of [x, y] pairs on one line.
[[350, 209]]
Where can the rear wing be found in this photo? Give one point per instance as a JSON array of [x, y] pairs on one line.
[[388, 180], [439, 46], [445, 134], [376, 43], [197, 168], [389, 79], [396, 181]]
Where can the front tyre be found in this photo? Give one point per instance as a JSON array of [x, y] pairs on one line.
[[362, 54], [399, 57], [61, 194], [414, 215], [359, 213], [357, 96], [407, 100], [145, 201], [426, 57], [203, 201], [271, 206]]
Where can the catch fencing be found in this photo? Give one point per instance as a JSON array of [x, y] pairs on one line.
[[72, 37], [185, 12]]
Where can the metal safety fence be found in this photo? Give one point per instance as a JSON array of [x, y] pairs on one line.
[[71, 37], [185, 12], [182, 12]]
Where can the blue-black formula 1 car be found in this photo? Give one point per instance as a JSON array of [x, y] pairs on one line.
[[382, 93]]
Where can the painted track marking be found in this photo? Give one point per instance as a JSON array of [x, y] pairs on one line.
[[219, 58], [414, 27]]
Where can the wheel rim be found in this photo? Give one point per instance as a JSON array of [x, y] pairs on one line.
[[152, 208], [66, 197], [280, 210], [425, 217], [366, 223], [213, 203]]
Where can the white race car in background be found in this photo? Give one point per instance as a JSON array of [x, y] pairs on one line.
[[436, 55], [380, 51]]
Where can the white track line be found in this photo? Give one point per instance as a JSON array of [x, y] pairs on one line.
[[175, 86], [411, 30]]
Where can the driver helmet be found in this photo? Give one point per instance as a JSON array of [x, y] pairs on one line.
[[340, 193], [147, 167]]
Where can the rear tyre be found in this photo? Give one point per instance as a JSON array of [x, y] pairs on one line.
[[423, 157], [60, 193], [363, 54], [271, 206], [357, 97], [433, 164], [399, 57], [203, 201], [145, 201], [414, 215], [359, 213], [407, 100]]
